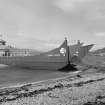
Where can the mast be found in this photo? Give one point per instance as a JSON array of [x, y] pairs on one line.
[[68, 56], [68, 51]]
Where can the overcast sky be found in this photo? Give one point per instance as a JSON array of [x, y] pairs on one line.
[[43, 24]]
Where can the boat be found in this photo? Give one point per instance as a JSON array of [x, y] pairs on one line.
[[55, 59]]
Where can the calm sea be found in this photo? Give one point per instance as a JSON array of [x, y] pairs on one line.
[[15, 76]]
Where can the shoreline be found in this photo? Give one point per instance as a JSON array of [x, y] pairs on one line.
[[56, 89]]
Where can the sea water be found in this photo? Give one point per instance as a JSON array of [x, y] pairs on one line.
[[10, 76]]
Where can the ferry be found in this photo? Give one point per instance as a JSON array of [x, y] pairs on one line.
[[55, 59]]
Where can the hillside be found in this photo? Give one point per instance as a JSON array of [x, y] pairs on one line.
[[102, 50]]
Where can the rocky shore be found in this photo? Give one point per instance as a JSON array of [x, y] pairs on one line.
[[84, 88]]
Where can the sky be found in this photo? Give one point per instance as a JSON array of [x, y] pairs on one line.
[[43, 24]]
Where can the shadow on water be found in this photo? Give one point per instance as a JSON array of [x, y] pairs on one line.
[[68, 68]]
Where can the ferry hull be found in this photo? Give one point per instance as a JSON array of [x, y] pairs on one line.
[[55, 59]]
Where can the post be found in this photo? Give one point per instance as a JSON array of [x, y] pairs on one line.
[[68, 51]]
